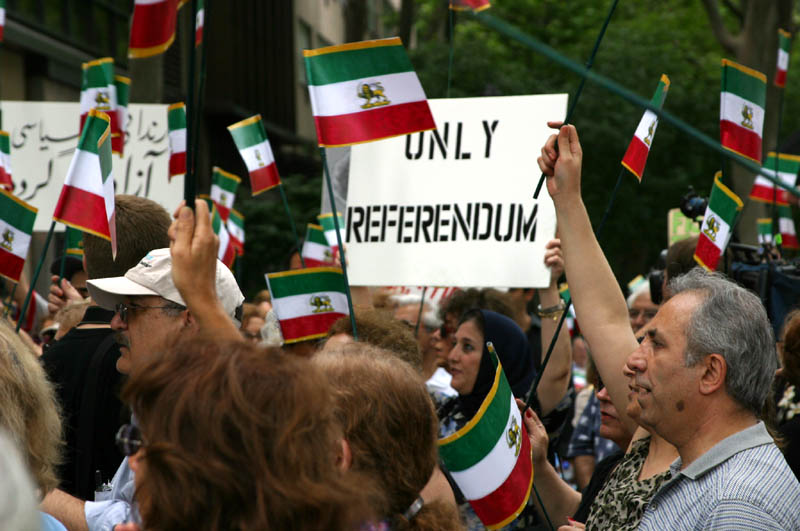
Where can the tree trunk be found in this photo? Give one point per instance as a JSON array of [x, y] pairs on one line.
[[355, 21]]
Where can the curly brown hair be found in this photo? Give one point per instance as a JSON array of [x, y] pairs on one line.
[[239, 437], [391, 426], [790, 347]]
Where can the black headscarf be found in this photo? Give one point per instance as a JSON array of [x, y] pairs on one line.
[[514, 354]]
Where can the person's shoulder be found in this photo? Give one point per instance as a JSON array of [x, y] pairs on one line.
[[758, 476]]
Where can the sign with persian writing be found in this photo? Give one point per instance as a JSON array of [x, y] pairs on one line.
[[43, 136]]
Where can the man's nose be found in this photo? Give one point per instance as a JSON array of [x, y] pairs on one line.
[[634, 363], [117, 323]]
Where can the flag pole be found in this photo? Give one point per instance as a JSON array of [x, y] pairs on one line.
[[338, 240], [63, 258], [589, 64], [775, 222], [452, 51], [421, 306], [202, 81], [36, 275], [189, 185], [291, 221], [532, 393], [238, 264]]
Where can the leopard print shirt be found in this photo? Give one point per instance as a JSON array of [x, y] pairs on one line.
[[621, 502]]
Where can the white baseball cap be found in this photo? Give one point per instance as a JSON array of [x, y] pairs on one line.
[[153, 276]]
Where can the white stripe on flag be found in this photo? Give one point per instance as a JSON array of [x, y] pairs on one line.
[[177, 141], [148, 2], [643, 129], [84, 173], [2, 16], [108, 194], [217, 193], [316, 251], [731, 106], [300, 305], [19, 242], [344, 97], [89, 101], [224, 241], [723, 230], [786, 226], [5, 161], [330, 235], [783, 59], [199, 19], [235, 230], [486, 476], [785, 177], [257, 156]]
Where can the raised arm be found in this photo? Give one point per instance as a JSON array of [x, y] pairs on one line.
[[599, 304]]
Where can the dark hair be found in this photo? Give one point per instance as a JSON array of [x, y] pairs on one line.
[[239, 437], [141, 226], [790, 348], [485, 299]]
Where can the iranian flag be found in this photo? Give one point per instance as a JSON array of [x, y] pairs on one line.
[[16, 227], [764, 226], [2, 18], [74, 242], [251, 141], [786, 228], [99, 91], [152, 27], [365, 91], [721, 213], [781, 166], [742, 102], [226, 252], [316, 251], [176, 123], [123, 86], [490, 457], [307, 301], [87, 198], [475, 5], [329, 226], [223, 190], [784, 45], [5, 163], [199, 18], [636, 156], [235, 227]]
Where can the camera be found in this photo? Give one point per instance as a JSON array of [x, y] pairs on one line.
[[656, 278], [692, 205]]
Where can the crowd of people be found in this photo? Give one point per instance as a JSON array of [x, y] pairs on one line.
[[156, 398]]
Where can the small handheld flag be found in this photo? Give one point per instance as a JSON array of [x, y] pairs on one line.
[[786, 228], [198, 23], [784, 45], [721, 213], [307, 301], [152, 27], [74, 242], [176, 122], [317, 251], [99, 91], [16, 227], [2, 18], [5, 163], [226, 252], [365, 91], [251, 141], [636, 155], [764, 226], [235, 226], [782, 166], [490, 457], [329, 226], [742, 102], [223, 190]]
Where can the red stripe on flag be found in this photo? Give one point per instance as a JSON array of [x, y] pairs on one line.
[[706, 253], [740, 140], [153, 26], [177, 164], [11, 265], [789, 241], [762, 193], [117, 143], [198, 36], [308, 326], [83, 210], [313, 262], [230, 254], [264, 178], [374, 124], [5, 180], [238, 246], [636, 157], [2, 27], [780, 78], [224, 211], [508, 500]]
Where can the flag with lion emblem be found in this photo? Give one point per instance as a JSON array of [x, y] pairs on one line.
[[365, 91], [307, 301], [742, 102], [490, 457], [721, 213], [16, 227]]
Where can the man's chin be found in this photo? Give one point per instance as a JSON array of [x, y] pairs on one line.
[[124, 361]]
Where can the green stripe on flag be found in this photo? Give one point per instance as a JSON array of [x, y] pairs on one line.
[[16, 212], [95, 127], [290, 283], [98, 73], [661, 92], [723, 202], [745, 85], [104, 153], [784, 211], [5, 145], [786, 163], [225, 180], [784, 40], [356, 64], [236, 218], [326, 220], [315, 234], [123, 85], [249, 135], [176, 117]]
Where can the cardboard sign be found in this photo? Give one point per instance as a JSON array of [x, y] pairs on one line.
[[455, 207], [43, 136], [679, 227]]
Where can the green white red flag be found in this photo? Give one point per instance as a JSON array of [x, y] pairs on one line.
[[308, 301], [235, 226], [87, 197], [152, 27], [74, 245], [99, 91], [223, 190], [786, 228], [329, 226], [784, 46], [475, 5], [764, 226], [365, 91], [123, 86], [199, 19], [176, 123], [636, 155], [226, 252], [16, 227], [316, 250], [2, 18], [715, 233], [251, 141], [490, 457], [5, 163], [781, 166], [742, 103]]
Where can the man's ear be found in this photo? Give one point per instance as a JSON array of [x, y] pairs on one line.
[[713, 371], [188, 318]]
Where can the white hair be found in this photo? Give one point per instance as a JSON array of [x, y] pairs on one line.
[[643, 287]]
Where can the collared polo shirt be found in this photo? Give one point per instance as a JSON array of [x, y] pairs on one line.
[[741, 483]]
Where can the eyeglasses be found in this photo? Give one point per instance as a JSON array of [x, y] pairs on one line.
[[122, 309], [129, 439]]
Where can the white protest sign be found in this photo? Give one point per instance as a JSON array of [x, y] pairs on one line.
[[455, 207], [43, 136]]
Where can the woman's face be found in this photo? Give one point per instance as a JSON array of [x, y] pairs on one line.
[[464, 359]]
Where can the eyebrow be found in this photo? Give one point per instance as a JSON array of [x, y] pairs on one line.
[[654, 335]]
